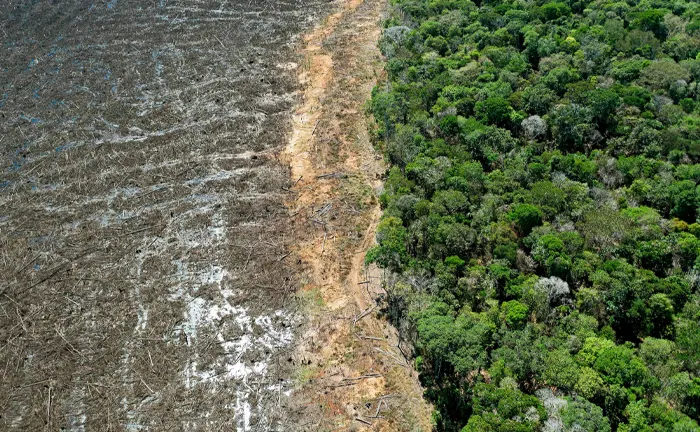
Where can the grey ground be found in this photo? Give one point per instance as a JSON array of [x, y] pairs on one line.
[[142, 226]]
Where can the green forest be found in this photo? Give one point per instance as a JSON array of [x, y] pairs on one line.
[[540, 230]]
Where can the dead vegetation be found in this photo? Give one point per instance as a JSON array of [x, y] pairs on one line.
[[143, 233]]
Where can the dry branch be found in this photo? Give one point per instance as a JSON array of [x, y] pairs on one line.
[[374, 375], [332, 175], [370, 338], [363, 421], [363, 314]]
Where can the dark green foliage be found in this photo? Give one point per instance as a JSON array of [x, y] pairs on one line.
[[525, 217], [504, 409], [541, 214], [651, 20], [494, 111], [552, 11]]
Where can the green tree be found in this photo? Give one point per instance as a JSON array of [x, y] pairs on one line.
[[504, 409], [525, 217], [538, 99], [391, 250], [652, 20], [572, 127], [662, 73], [561, 370], [514, 313], [660, 356], [550, 253], [539, 222], [495, 111], [589, 384], [582, 415], [660, 320], [619, 365], [554, 10]]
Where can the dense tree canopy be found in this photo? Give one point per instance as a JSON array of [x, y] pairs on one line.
[[541, 213]]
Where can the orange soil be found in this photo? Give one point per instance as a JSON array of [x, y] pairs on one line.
[[352, 376]]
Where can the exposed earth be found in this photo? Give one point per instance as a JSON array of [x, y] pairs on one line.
[[355, 373], [165, 264]]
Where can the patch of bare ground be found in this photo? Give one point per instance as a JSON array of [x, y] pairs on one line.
[[352, 374]]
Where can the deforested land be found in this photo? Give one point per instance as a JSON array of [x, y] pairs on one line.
[[143, 232]]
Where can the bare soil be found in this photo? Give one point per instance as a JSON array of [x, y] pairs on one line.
[[351, 374]]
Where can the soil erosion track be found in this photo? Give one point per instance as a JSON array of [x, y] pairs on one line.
[[142, 219], [352, 373]]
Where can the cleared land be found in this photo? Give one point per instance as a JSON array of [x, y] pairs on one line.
[[143, 232], [351, 373]]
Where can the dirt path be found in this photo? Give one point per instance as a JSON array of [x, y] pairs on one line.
[[351, 374]]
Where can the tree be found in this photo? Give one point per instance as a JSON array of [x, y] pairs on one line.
[[534, 127], [605, 230], [550, 253], [548, 197], [404, 146], [660, 356], [494, 111], [655, 255], [554, 10], [581, 415], [652, 20], [541, 210], [684, 200], [684, 391], [688, 335], [628, 70], [504, 409], [450, 202], [514, 313], [558, 78], [660, 320], [391, 250], [619, 365], [525, 217], [538, 99], [661, 74], [589, 384], [572, 127], [602, 103], [561, 370]]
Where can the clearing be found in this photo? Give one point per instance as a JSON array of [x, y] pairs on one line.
[[142, 217], [353, 373]]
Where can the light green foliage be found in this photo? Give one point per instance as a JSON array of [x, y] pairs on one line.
[[561, 370], [619, 365], [589, 384], [513, 313], [659, 356], [593, 347], [579, 414]]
